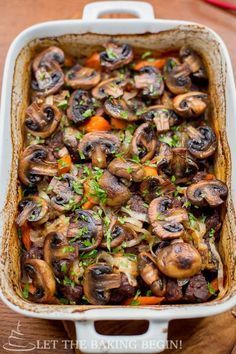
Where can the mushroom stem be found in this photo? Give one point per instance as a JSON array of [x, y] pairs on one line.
[[108, 281], [23, 216], [99, 157], [44, 169]]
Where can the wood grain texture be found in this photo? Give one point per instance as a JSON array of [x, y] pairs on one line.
[[210, 335]]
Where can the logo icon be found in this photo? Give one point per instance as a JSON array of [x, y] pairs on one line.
[[17, 342]]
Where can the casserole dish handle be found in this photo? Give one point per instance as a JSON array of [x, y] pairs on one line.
[[142, 10], [154, 340]]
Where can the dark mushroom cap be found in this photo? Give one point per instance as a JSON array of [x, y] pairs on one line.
[[153, 187], [97, 146], [57, 252], [33, 209], [116, 56], [99, 279], [177, 79], [150, 274], [189, 56], [42, 278], [113, 87], [144, 142], [85, 230], [181, 164], [202, 143], [117, 193], [207, 193], [80, 77], [81, 106], [36, 162], [150, 81], [126, 169], [179, 260], [191, 104], [162, 116], [50, 54], [63, 195], [119, 109], [42, 120], [166, 218], [48, 79]]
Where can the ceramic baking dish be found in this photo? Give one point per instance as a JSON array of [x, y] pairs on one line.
[[76, 36]]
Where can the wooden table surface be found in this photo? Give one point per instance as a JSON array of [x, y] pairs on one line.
[[213, 335]]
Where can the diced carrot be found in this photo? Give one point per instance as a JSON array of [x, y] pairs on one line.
[[64, 164], [118, 123], [214, 284], [69, 61], [158, 63], [150, 171], [88, 192], [96, 123], [88, 205], [25, 230], [144, 300], [209, 177], [94, 61], [32, 289]]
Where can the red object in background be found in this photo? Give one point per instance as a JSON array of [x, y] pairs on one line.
[[222, 4]]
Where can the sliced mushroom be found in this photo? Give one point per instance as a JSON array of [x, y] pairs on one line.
[[117, 233], [207, 193], [43, 280], [36, 162], [57, 252], [64, 196], [162, 116], [81, 106], [202, 143], [99, 279], [150, 274], [118, 108], [166, 218], [113, 87], [164, 156], [85, 230], [97, 146], [179, 260], [71, 138], [126, 169], [181, 164], [33, 209], [144, 142], [150, 81], [42, 120], [117, 193], [153, 187], [178, 80], [50, 54], [80, 77], [48, 79], [116, 55], [189, 56], [191, 104]]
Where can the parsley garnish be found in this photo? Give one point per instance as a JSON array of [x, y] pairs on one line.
[[25, 291], [212, 232]]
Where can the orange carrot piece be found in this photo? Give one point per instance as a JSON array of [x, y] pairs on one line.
[[25, 230], [94, 61], [88, 205], [96, 123], [214, 284], [118, 123], [150, 171], [209, 177], [64, 164], [144, 300], [158, 63], [88, 192]]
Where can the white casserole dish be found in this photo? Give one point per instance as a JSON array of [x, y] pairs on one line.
[[149, 33]]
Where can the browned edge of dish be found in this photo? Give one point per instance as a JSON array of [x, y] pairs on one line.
[[73, 44]]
